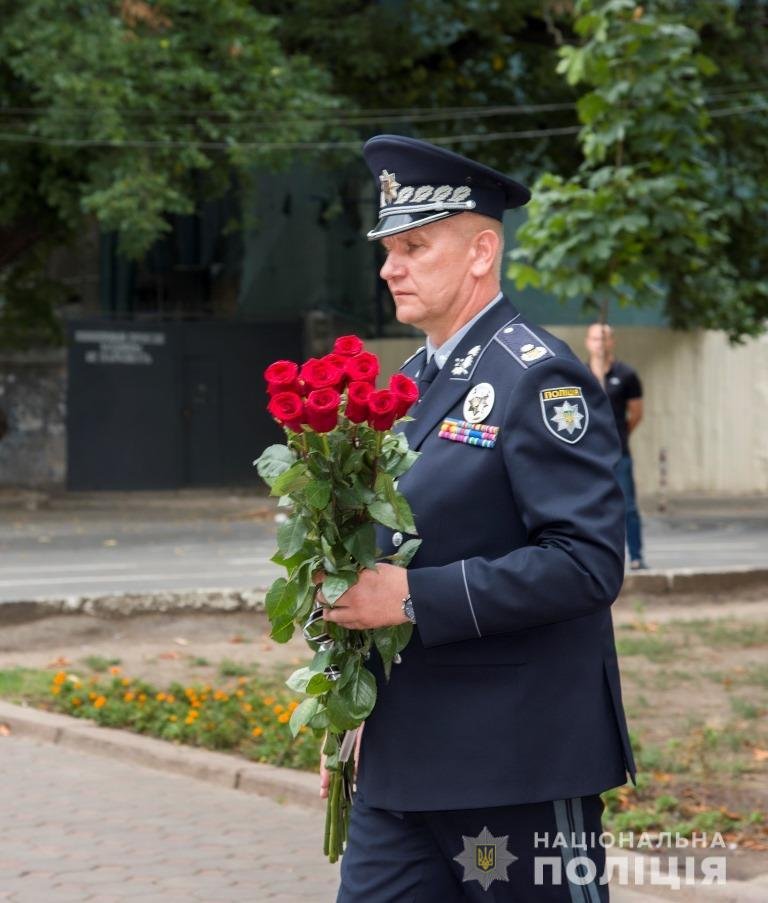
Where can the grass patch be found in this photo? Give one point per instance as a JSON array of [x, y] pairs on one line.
[[719, 632], [229, 668], [654, 648], [100, 664], [22, 684], [247, 715]]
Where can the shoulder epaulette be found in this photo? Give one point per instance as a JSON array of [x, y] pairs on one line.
[[523, 344]]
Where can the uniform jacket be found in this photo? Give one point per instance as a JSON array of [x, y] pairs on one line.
[[508, 691]]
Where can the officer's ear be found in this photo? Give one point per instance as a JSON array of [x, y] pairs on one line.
[[485, 247]]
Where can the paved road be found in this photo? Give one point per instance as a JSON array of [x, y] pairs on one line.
[[73, 549], [83, 828]]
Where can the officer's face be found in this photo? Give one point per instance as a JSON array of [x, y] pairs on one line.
[[428, 273]]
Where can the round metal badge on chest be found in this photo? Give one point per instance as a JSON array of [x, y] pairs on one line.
[[479, 402]]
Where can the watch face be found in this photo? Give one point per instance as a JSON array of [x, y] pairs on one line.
[[408, 610]]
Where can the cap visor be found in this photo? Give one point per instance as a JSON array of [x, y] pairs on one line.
[[402, 222]]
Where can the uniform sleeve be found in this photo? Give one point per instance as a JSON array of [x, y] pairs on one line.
[[633, 388], [560, 470]]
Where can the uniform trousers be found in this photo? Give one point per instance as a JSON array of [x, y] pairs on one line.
[[408, 857]]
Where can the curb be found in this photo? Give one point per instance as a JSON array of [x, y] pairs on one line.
[[695, 580], [284, 785], [128, 605]]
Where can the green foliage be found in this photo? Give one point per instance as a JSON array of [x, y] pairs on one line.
[[121, 102], [645, 220], [27, 298]]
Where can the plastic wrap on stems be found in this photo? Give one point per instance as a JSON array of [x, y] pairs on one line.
[[340, 787]]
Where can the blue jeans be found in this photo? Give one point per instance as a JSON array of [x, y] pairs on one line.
[[634, 531]]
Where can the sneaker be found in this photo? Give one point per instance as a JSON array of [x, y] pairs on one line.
[[638, 564]]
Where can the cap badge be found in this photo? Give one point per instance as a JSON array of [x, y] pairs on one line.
[[389, 186], [478, 403]]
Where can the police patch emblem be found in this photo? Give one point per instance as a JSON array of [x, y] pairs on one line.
[[479, 402], [565, 412]]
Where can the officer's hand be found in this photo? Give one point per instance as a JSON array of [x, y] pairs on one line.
[[376, 600]]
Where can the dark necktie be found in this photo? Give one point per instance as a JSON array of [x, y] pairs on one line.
[[427, 375]]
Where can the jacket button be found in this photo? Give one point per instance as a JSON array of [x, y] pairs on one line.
[[397, 539]]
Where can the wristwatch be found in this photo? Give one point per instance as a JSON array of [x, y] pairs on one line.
[[408, 609]]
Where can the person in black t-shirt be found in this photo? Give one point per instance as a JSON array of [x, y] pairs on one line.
[[625, 392]]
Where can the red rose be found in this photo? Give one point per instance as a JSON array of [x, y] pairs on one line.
[[322, 409], [337, 360], [382, 407], [319, 373], [363, 367], [405, 390], [357, 401], [288, 409], [282, 376], [348, 345]]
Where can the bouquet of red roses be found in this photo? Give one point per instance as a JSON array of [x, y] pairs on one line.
[[337, 474]]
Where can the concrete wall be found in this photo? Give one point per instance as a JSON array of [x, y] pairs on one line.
[[32, 398], [706, 403]]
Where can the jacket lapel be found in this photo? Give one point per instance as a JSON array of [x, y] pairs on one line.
[[446, 388]]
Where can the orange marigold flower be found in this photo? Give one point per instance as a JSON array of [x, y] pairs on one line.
[[242, 680], [126, 681], [115, 669], [257, 731], [292, 705], [268, 700], [170, 698], [220, 696], [76, 701], [278, 709], [99, 702], [284, 718], [239, 693], [128, 697], [93, 696], [160, 697], [247, 707], [55, 690], [59, 677], [142, 697]]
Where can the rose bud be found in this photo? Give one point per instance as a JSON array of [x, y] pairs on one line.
[[322, 409], [337, 360], [288, 409], [405, 390], [348, 345], [364, 367], [318, 373], [282, 376], [357, 401], [382, 407]]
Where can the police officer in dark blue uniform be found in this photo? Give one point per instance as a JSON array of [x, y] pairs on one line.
[[482, 763]]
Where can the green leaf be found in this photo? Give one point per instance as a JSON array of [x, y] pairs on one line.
[[384, 513], [318, 493], [335, 585], [360, 693], [273, 461], [404, 555], [275, 595], [299, 679], [303, 714], [282, 631], [404, 514], [318, 684], [361, 545], [340, 713], [291, 480], [291, 535]]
